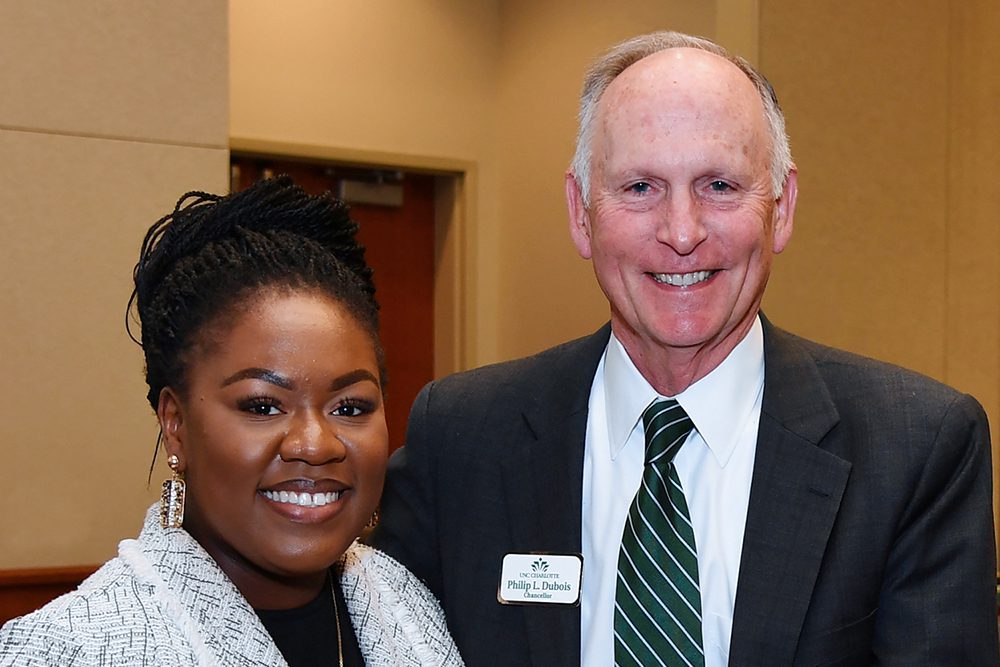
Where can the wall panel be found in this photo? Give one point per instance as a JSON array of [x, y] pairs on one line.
[[864, 268], [110, 111], [143, 70]]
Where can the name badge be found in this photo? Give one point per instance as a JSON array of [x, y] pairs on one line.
[[540, 578]]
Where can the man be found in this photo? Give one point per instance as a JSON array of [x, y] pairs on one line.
[[809, 506]]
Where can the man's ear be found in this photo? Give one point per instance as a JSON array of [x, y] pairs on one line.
[[784, 211], [579, 217], [170, 413]]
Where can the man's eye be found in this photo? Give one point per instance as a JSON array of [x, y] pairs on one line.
[[720, 186], [640, 188]]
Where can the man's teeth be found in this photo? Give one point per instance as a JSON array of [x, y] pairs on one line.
[[303, 499], [682, 279]]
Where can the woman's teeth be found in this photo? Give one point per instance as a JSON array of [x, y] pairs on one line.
[[303, 499]]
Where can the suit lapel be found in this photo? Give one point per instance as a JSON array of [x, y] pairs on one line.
[[543, 482], [794, 498]]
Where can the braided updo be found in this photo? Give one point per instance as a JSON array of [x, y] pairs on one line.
[[202, 262]]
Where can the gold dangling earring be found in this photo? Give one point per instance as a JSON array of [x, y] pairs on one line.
[[172, 498]]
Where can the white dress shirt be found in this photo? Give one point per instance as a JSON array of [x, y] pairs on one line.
[[715, 466]]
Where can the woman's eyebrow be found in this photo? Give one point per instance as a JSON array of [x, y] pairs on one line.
[[260, 374], [347, 379]]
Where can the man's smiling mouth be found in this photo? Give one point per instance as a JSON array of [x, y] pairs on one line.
[[682, 279]]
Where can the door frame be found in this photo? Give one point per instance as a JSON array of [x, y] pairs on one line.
[[454, 242]]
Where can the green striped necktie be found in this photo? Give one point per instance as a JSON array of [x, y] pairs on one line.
[[657, 602]]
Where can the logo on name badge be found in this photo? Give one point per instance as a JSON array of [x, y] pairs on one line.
[[540, 578]]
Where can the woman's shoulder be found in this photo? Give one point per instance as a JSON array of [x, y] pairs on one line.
[[396, 618], [381, 570], [41, 638], [117, 611], [62, 632], [81, 605]]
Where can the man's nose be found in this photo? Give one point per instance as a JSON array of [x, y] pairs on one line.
[[680, 225], [312, 439]]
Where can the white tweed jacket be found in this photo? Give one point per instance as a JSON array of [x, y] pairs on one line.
[[163, 601]]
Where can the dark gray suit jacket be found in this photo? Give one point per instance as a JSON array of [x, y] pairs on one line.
[[869, 536]]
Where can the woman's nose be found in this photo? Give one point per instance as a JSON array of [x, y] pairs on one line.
[[312, 439]]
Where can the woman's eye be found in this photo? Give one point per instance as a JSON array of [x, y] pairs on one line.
[[260, 407], [352, 409]]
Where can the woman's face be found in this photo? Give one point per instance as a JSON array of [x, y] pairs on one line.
[[281, 435]]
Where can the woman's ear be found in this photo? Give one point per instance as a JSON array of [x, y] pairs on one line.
[[170, 413]]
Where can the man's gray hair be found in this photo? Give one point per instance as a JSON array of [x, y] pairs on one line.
[[614, 62]]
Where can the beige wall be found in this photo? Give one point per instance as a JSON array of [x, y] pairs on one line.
[[109, 111], [864, 269]]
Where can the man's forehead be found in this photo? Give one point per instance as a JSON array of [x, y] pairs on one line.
[[691, 97], [683, 82], [683, 69]]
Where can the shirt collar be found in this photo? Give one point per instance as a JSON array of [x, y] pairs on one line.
[[718, 404]]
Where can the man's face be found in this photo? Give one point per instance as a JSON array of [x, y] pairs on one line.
[[682, 221]]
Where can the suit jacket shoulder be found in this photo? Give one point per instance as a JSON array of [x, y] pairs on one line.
[[852, 380], [870, 519], [870, 412]]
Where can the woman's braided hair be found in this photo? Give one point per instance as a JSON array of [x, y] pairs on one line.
[[214, 253]]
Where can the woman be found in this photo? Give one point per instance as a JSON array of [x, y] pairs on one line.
[[259, 329]]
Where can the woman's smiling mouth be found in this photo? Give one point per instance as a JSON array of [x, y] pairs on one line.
[[303, 499]]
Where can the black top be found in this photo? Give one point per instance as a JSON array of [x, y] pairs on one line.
[[307, 636]]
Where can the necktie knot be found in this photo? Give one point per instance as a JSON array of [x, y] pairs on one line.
[[667, 427]]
